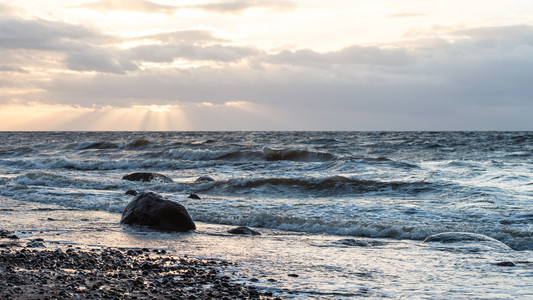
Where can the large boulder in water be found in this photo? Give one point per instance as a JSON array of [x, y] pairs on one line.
[[146, 177], [155, 211]]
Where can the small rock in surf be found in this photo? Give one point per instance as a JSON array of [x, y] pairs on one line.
[[131, 192], [146, 177], [243, 230], [139, 143], [193, 196], [505, 264], [353, 242], [205, 179]]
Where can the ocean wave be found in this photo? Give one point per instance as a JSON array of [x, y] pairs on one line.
[[327, 186], [16, 151], [54, 163], [266, 154], [296, 155], [242, 155], [40, 178], [323, 141], [386, 228], [386, 160], [195, 154], [96, 145]]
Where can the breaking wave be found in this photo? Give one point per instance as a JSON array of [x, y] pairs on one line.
[[384, 228], [328, 186], [96, 145], [296, 155]]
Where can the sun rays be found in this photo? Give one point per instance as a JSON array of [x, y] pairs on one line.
[[189, 116], [65, 117]]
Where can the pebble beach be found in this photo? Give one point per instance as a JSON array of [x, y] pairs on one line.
[[33, 272]]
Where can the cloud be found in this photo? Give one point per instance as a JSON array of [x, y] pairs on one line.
[[81, 49], [168, 53], [130, 5], [221, 7], [497, 37], [181, 36], [350, 55], [46, 35], [515, 31], [8, 10], [98, 61], [407, 15], [238, 6], [461, 84], [12, 69], [461, 77], [46, 44]]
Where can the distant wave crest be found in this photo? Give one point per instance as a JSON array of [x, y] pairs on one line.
[[296, 155]]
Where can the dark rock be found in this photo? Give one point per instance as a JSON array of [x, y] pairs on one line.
[[353, 242], [194, 196], [131, 192], [4, 233], [293, 275], [243, 230], [205, 179], [155, 211], [505, 264], [35, 244], [360, 243], [139, 143], [12, 236], [146, 177]]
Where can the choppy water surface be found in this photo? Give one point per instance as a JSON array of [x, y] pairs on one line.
[[324, 192]]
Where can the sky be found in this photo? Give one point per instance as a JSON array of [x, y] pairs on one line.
[[266, 65]]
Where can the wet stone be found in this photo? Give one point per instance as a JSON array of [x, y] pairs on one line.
[[505, 264], [244, 231]]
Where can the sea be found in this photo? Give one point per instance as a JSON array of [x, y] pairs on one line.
[[431, 215]]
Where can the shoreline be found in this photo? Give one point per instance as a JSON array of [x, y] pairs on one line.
[[33, 272]]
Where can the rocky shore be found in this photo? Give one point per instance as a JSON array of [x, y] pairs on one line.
[[114, 273]]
